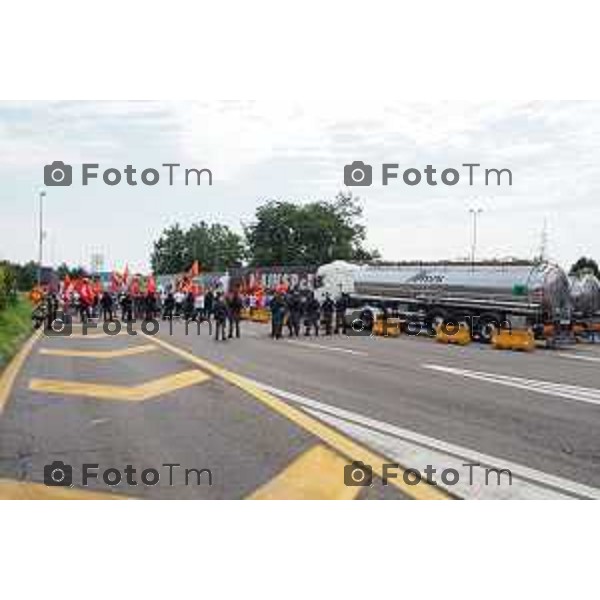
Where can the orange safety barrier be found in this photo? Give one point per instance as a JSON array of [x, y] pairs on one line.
[[515, 339], [451, 334], [261, 315], [389, 328]]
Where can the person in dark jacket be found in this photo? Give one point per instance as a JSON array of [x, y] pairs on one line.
[[294, 314], [106, 302], [277, 306], [328, 308], [209, 302], [188, 307], [150, 306], [235, 306], [311, 316], [341, 305], [127, 307], [169, 307], [220, 314]]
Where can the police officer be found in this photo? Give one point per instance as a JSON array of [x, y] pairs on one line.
[[294, 312], [328, 308], [277, 306], [127, 307], [341, 305], [235, 306], [220, 314], [312, 313]]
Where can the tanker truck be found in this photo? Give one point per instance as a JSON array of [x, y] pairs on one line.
[[485, 295], [585, 298]]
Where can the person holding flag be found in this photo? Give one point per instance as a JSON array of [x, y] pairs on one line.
[[86, 299]]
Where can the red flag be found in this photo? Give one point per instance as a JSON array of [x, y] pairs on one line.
[[114, 282], [86, 292], [151, 285], [195, 270], [135, 286], [126, 274]]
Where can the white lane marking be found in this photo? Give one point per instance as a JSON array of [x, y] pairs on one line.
[[580, 357], [571, 392], [331, 348], [415, 450], [473, 481]]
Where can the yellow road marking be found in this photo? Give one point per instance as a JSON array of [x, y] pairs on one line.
[[318, 474], [136, 393], [100, 354], [94, 334], [8, 376], [27, 490], [336, 440]]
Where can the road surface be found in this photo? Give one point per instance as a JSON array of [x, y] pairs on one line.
[[289, 418]]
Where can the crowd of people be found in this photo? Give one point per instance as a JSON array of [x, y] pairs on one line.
[[292, 309]]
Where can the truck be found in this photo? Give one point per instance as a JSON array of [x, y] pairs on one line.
[[585, 298], [484, 295]]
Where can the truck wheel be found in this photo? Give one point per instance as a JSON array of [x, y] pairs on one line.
[[487, 325], [367, 318], [435, 318]]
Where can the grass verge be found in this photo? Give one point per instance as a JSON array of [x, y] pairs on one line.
[[15, 328]]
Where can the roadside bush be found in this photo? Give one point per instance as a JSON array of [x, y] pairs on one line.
[[7, 286]]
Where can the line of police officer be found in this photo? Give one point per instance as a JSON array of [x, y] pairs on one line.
[[292, 308]]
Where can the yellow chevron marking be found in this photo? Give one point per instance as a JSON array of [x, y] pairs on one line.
[[27, 490], [137, 393], [100, 354], [318, 474]]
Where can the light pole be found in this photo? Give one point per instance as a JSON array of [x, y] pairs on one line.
[[475, 212], [42, 194]]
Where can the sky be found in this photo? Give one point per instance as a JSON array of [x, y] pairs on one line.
[[285, 150]]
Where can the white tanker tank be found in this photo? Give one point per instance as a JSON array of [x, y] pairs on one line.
[[585, 295], [540, 292]]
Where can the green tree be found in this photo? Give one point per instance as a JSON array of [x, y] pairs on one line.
[[585, 265], [170, 254], [26, 275], [73, 272], [284, 233], [7, 284], [216, 247]]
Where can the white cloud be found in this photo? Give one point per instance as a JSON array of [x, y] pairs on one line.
[[293, 150]]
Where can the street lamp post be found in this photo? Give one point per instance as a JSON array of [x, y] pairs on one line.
[[475, 212], [42, 194]]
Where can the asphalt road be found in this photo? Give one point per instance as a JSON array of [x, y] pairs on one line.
[[262, 418]]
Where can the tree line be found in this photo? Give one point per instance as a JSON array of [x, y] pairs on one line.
[[281, 233]]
